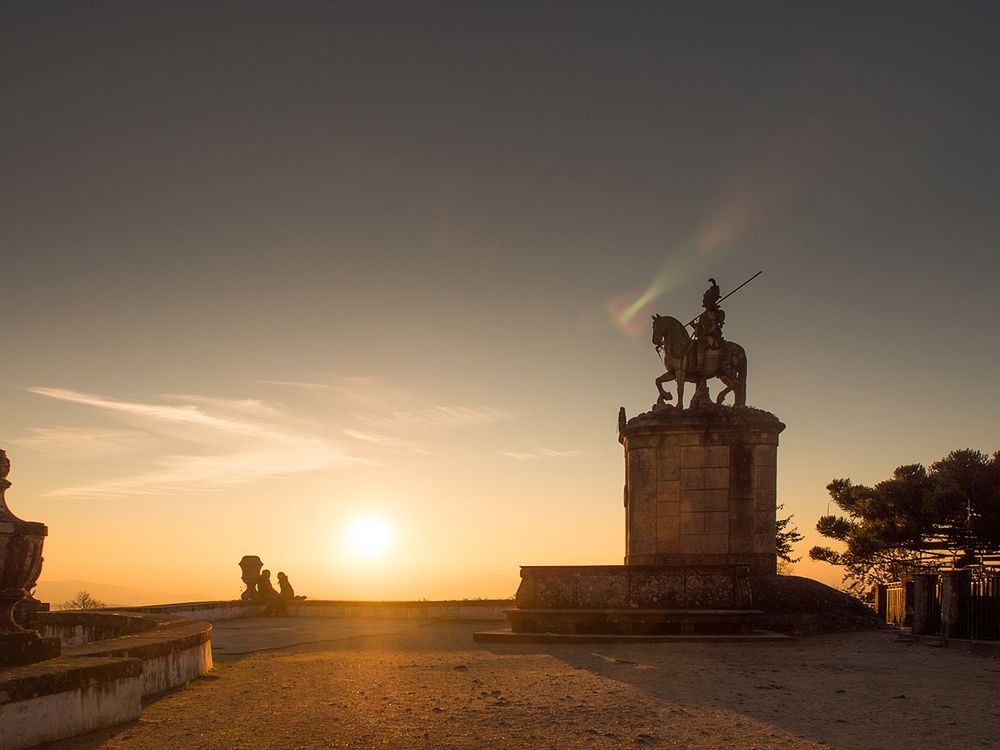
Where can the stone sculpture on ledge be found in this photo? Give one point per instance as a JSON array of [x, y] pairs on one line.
[[250, 566], [20, 566]]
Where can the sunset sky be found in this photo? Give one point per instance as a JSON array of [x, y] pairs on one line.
[[269, 268]]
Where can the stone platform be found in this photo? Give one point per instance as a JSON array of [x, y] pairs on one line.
[[634, 587], [17, 649], [508, 636], [648, 600], [633, 621]]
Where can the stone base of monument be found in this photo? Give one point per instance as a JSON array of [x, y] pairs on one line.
[[633, 621], [26, 612], [509, 636], [630, 602], [701, 487], [26, 648]]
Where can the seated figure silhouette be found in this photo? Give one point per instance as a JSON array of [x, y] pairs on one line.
[[285, 587], [264, 588], [267, 594]]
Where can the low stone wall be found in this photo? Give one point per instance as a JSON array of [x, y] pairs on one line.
[[634, 587], [75, 627], [230, 609], [63, 697], [484, 609], [110, 661], [173, 650], [465, 609]]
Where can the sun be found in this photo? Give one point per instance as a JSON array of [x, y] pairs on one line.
[[368, 537]]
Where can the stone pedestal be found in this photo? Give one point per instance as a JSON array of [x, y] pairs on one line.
[[926, 604], [954, 599], [701, 487], [250, 565], [633, 600], [20, 566], [26, 611]]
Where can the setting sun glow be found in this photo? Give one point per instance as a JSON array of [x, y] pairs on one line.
[[368, 537]]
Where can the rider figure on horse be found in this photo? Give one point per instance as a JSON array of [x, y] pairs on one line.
[[708, 325]]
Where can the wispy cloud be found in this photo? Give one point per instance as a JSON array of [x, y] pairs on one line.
[[385, 441], [296, 384], [80, 442], [186, 414], [370, 392], [229, 446], [208, 443], [436, 417], [536, 454]]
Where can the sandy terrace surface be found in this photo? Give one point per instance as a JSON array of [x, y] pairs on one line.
[[432, 687]]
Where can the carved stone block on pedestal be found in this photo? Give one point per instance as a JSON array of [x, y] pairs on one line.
[[700, 487]]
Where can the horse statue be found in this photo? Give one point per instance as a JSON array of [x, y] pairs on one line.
[[728, 363]]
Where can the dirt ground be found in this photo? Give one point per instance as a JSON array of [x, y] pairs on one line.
[[431, 687]]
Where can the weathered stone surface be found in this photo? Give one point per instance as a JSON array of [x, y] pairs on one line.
[[715, 468], [764, 543], [663, 588], [668, 463], [704, 500], [668, 530], [764, 522], [707, 589], [765, 455], [628, 622], [555, 591], [668, 492], [701, 457], [667, 510], [642, 459], [632, 586], [740, 541], [716, 522], [766, 499], [704, 544], [692, 479], [765, 477], [716, 479], [26, 648], [692, 523]]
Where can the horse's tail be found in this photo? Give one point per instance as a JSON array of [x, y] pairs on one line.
[[741, 380]]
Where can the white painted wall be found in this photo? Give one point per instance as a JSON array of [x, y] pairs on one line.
[[174, 669], [51, 717]]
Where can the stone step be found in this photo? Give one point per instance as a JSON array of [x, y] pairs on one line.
[[633, 621]]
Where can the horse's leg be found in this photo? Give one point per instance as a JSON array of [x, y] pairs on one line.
[[741, 383], [730, 385], [679, 377], [664, 396]]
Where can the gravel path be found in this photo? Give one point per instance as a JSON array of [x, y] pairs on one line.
[[431, 687]]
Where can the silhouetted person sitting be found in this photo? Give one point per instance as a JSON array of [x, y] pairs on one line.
[[285, 587], [266, 592]]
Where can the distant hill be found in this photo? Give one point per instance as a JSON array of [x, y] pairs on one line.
[[56, 592]]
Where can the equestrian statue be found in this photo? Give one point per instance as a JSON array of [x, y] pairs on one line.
[[707, 355]]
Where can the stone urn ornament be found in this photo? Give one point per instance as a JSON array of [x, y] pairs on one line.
[[250, 565], [20, 566]]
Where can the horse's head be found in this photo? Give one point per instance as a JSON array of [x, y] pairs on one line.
[[669, 334], [657, 331]]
